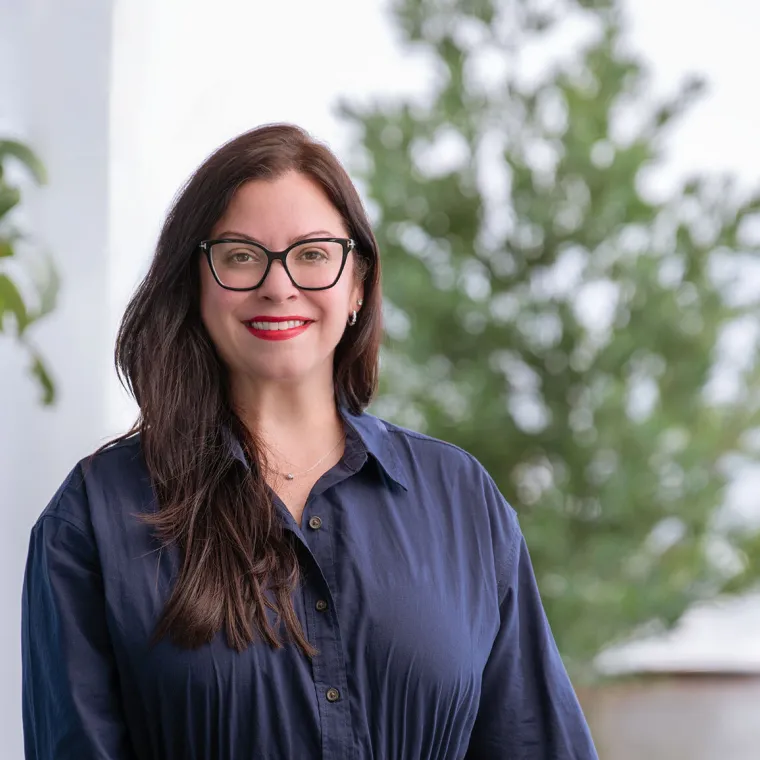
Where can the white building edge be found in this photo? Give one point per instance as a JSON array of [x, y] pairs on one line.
[[719, 637]]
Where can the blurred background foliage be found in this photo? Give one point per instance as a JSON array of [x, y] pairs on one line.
[[567, 327], [28, 284]]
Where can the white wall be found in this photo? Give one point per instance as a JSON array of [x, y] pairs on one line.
[[59, 53]]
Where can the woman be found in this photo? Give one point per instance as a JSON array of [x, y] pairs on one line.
[[260, 569]]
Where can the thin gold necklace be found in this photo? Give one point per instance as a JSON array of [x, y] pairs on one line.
[[294, 475]]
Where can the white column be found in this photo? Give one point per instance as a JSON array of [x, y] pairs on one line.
[[134, 174]]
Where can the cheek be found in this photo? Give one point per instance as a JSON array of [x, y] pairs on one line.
[[217, 307], [334, 307]]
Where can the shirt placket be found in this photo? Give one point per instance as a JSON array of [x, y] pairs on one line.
[[323, 632]]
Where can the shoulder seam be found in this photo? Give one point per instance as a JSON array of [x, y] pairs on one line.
[[513, 557], [428, 439], [74, 480], [79, 527]]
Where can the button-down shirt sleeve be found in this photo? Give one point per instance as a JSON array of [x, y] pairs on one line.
[[70, 692], [528, 708]]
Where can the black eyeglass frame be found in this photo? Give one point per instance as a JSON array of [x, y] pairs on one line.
[[272, 256]]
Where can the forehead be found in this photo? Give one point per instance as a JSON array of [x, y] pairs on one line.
[[275, 212]]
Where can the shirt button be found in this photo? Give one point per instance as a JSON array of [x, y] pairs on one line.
[[321, 605], [333, 695], [315, 523]]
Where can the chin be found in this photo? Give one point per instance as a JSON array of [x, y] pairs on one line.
[[280, 372]]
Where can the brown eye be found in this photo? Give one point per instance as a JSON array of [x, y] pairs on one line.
[[313, 254]]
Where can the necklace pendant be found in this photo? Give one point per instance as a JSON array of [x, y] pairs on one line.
[[289, 476]]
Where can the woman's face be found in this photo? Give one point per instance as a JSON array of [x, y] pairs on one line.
[[275, 214]]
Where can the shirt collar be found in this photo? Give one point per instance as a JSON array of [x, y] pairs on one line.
[[233, 445], [371, 431], [378, 442]]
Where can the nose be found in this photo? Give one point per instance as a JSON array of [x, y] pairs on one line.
[[277, 286]]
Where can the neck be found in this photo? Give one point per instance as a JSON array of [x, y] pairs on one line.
[[301, 421]]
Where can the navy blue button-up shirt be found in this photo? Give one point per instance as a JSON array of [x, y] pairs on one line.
[[417, 591]]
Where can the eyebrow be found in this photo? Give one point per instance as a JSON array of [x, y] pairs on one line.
[[305, 236]]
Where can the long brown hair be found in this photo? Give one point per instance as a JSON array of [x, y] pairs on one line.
[[239, 566]]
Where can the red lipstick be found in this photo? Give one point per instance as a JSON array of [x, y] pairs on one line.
[[274, 328]]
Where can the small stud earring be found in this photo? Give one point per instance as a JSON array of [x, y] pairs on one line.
[[360, 301]]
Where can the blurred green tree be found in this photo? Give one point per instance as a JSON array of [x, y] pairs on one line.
[[548, 314], [23, 305]]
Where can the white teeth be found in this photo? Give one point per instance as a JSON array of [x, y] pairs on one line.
[[277, 325]]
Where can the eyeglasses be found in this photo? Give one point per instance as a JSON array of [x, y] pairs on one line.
[[313, 264]]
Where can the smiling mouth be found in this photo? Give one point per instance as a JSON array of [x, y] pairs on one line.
[[274, 326]]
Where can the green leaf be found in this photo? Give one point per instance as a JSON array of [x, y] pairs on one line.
[[44, 277], [9, 197], [11, 302], [26, 156], [41, 373]]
